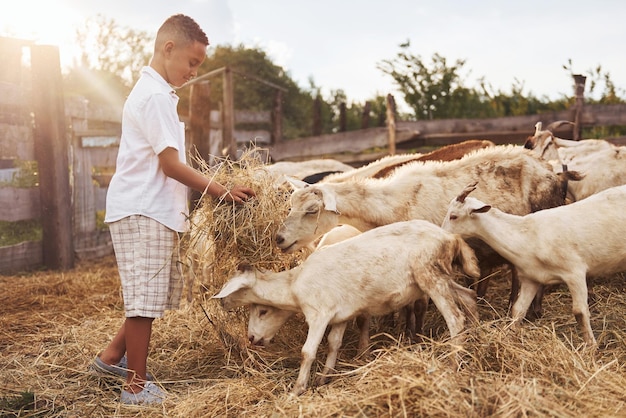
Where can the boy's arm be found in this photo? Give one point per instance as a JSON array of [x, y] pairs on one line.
[[174, 168]]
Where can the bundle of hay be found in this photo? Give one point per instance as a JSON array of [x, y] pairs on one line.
[[224, 235]]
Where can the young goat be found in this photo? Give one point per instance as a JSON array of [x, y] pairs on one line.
[[376, 273], [559, 245]]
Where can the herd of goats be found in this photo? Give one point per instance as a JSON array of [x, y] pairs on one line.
[[397, 233]]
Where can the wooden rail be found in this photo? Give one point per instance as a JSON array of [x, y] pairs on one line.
[[357, 147]]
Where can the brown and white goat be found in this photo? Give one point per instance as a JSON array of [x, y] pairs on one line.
[[510, 176]]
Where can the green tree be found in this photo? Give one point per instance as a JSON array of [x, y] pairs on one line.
[[517, 102], [434, 89], [110, 61], [354, 111], [598, 78], [255, 78], [106, 46]]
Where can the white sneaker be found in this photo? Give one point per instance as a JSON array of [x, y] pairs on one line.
[[151, 394]]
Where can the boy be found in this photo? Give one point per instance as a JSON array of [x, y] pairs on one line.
[[147, 203]]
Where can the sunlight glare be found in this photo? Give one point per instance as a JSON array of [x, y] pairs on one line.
[[46, 22]]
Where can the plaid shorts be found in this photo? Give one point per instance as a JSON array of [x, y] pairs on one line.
[[147, 254]]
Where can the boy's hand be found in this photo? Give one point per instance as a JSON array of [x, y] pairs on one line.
[[239, 194]]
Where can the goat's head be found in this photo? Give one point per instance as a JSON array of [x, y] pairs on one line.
[[542, 142], [237, 291], [313, 213], [461, 210], [264, 323]]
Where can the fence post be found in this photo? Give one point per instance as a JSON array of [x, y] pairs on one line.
[[51, 151], [391, 123], [365, 117], [579, 93], [228, 115]]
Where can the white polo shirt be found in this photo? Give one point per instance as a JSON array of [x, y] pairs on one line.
[[150, 124]]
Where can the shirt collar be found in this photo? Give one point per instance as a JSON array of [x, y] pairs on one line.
[[151, 72]]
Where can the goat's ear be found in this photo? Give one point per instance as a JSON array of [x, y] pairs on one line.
[[482, 209], [296, 183], [244, 281], [330, 201]]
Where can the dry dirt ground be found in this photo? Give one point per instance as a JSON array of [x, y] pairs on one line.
[[52, 324]]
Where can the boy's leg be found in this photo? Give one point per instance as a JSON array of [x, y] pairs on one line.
[[138, 332], [116, 349]]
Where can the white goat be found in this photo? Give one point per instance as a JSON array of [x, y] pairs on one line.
[[602, 168], [545, 145], [559, 245], [370, 169], [261, 315], [601, 162], [337, 234], [376, 272], [385, 166], [301, 169], [510, 176]]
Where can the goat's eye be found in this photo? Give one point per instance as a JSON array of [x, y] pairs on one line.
[[262, 312], [453, 217], [311, 211]]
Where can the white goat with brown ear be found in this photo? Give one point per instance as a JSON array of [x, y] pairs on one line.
[[375, 273], [546, 145], [602, 163], [552, 246]]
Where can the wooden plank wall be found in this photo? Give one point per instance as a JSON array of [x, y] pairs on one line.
[[88, 195]]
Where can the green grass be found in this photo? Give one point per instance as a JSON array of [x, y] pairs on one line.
[[12, 233]]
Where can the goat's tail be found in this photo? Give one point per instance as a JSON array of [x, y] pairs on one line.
[[466, 299], [454, 255], [466, 258]]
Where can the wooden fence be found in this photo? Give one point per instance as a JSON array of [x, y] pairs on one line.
[[75, 162], [89, 153], [365, 145]]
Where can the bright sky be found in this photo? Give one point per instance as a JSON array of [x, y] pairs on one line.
[[338, 43]]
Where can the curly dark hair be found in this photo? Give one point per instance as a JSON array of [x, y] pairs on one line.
[[182, 27]]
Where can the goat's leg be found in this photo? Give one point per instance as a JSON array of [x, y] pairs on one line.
[[528, 290], [420, 308], [580, 308], [314, 337], [363, 322], [536, 306], [481, 286], [335, 337], [514, 286], [409, 321]]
